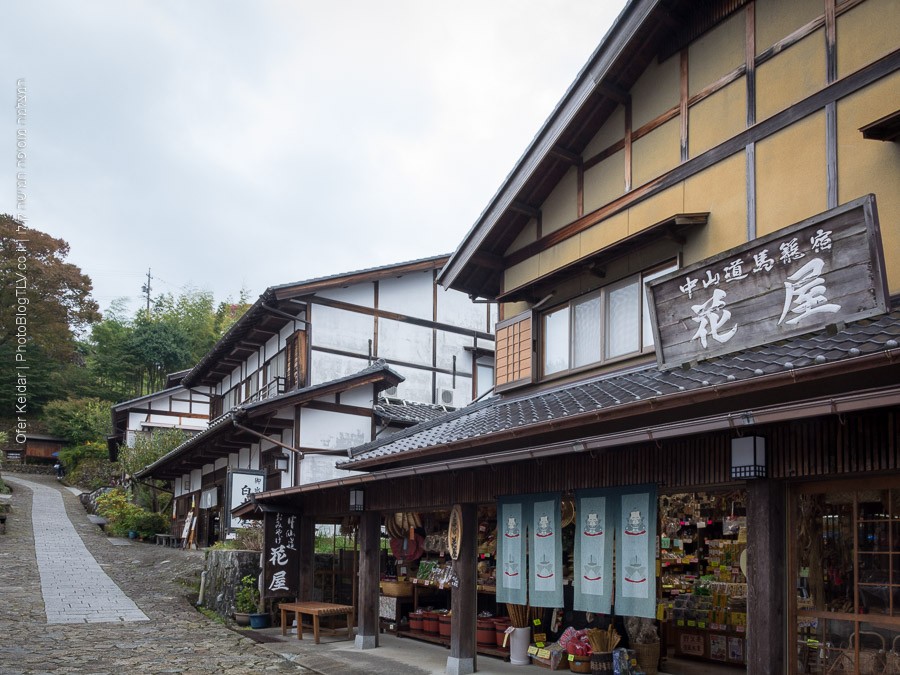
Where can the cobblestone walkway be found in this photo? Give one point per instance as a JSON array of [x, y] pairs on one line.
[[74, 587], [175, 638]]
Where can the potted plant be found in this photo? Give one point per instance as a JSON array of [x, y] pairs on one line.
[[247, 605], [246, 600]]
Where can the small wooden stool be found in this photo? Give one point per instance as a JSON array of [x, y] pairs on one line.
[[315, 610]]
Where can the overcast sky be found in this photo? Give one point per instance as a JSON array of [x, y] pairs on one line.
[[246, 144]]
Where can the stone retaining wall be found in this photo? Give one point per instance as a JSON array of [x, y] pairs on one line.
[[224, 571], [39, 469]]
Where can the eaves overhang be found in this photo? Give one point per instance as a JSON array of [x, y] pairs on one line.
[[220, 438], [623, 31]]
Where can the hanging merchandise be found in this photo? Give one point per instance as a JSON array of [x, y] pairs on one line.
[[593, 552], [511, 530], [545, 574]]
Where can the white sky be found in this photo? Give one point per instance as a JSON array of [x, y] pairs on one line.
[[230, 144]]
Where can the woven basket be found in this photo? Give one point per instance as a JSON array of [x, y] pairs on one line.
[[580, 665], [647, 655], [396, 589]]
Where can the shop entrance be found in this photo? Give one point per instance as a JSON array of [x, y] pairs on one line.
[[702, 583], [845, 564]]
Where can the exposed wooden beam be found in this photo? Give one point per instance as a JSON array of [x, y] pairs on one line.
[[572, 158], [613, 91], [525, 209]]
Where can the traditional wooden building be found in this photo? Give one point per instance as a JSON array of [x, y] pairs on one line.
[[312, 369], [698, 261]]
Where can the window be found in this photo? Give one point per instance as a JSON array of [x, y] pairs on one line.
[[514, 348], [845, 564], [610, 323]]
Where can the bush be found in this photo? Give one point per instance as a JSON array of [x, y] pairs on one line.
[[74, 455], [124, 517], [147, 524], [246, 598], [92, 474]]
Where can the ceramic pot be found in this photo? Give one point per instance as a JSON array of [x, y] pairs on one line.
[[518, 646], [260, 621], [242, 618]]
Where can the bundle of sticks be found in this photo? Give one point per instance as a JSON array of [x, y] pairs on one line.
[[603, 640], [518, 615]]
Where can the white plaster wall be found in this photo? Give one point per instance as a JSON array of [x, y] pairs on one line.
[[358, 396], [359, 294], [208, 468], [410, 295], [404, 342], [325, 367], [326, 430], [196, 479], [453, 344], [318, 468], [456, 309], [340, 329], [416, 386]]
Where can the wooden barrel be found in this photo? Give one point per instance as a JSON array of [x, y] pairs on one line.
[[484, 632], [500, 626], [430, 623], [444, 625]]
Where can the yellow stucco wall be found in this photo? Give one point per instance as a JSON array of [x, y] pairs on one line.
[[866, 166], [722, 191], [717, 118], [866, 33], [561, 207], [527, 236], [525, 271], [557, 256], [790, 175], [658, 207], [776, 19], [791, 75], [657, 152], [613, 130], [604, 182], [603, 234], [656, 91], [716, 53]]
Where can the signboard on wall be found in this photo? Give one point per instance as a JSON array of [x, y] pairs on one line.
[[241, 483], [281, 567], [826, 270]]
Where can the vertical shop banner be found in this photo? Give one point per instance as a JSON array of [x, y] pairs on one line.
[[281, 566], [636, 553], [545, 537], [593, 568], [511, 530]]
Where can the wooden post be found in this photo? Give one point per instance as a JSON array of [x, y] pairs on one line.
[[369, 577], [464, 600], [306, 543], [766, 574]]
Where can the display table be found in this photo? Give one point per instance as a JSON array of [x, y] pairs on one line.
[[316, 610]]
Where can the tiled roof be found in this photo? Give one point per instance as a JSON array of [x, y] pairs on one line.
[[398, 411], [609, 391], [367, 270], [239, 413]]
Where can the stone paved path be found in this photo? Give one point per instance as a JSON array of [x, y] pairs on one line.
[[175, 638], [74, 587]]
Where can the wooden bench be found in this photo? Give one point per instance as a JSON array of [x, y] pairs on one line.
[[315, 610]]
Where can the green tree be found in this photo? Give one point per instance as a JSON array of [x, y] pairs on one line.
[[147, 449], [79, 420], [51, 299]]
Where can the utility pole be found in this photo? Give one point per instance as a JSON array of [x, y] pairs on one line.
[[145, 289]]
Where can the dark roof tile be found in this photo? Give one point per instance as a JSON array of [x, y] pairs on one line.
[[608, 391]]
